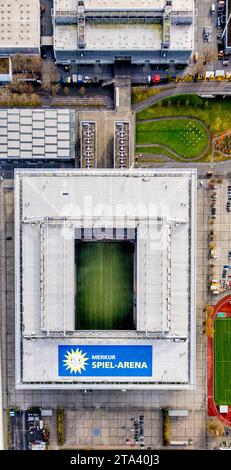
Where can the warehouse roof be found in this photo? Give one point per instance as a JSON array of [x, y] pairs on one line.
[[123, 4], [37, 133], [20, 24]]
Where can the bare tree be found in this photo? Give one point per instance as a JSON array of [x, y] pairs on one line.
[[18, 86], [215, 428], [82, 90], [209, 54], [26, 64], [66, 90], [50, 75]]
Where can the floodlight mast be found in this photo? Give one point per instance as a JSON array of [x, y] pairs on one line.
[[226, 26]]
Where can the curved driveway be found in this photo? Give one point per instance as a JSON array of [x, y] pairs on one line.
[[199, 88]]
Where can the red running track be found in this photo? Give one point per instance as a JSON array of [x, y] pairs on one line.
[[224, 305]]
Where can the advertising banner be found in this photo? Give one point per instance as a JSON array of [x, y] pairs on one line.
[[107, 361]]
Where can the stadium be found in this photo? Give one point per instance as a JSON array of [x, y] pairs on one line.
[[105, 279]]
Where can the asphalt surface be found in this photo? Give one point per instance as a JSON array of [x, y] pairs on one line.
[[18, 431], [46, 21]]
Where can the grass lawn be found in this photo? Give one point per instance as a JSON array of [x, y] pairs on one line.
[[104, 285], [222, 361], [154, 151], [186, 137], [215, 113]]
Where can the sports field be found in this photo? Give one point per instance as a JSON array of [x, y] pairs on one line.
[[222, 361], [104, 285]]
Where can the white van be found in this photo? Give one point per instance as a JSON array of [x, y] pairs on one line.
[[213, 9]]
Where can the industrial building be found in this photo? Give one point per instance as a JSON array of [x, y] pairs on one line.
[[228, 26], [88, 157], [37, 134], [6, 74], [121, 144], [145, 222], [103, 31], [19, 27]]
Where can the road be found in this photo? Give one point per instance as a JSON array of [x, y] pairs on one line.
[[46, 21], [219, 168], [18, 431], [222, 88]]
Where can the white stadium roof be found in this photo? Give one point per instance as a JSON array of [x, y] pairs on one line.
[[51, 206]]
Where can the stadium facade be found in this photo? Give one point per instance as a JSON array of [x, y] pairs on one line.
[[143, 221], [103, 31]]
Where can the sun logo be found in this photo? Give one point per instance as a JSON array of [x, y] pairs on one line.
[[75, 361]]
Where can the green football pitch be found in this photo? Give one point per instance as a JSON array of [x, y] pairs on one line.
[[222, 361], [104, 285]]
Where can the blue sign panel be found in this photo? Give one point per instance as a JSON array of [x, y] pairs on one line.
[[105, 361]]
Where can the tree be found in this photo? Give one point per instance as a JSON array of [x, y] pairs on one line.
[[35, 100], [82, 90], [215, 428], [209, 54], [50, 75], [18, 86], [54, 88], [26, 64]]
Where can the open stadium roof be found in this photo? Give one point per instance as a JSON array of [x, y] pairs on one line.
[[157, 209]]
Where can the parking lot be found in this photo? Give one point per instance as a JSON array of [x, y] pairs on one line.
[[215, 24], [220, 245]]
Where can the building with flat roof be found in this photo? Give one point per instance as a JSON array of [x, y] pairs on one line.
[[37, 134], [105, 279], [228, 26], [90, 31], [5, 70], [19, 27]]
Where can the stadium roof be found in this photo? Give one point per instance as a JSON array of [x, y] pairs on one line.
[[50, 205]]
